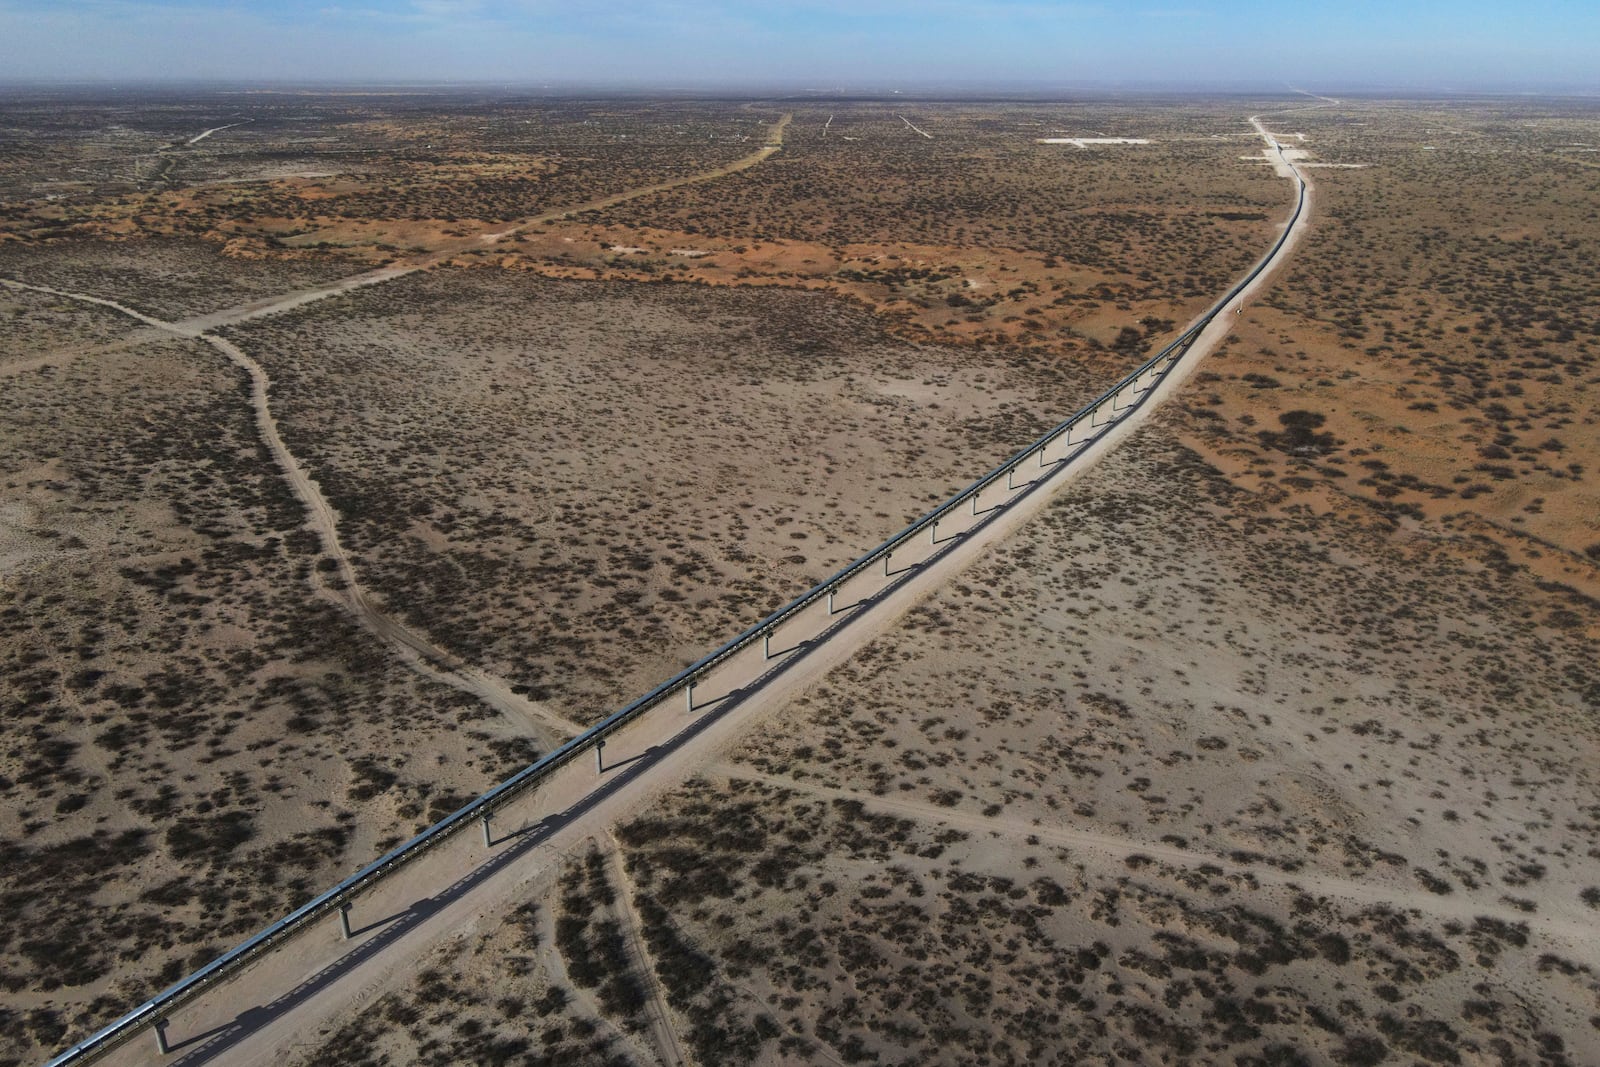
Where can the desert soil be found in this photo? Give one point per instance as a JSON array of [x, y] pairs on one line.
[[1271, 741]]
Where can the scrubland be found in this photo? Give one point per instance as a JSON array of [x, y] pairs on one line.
[[584, 486], [1272, 742], [977, 234], [1175, 777], [193, 741], [388, 173], [1433, 349]]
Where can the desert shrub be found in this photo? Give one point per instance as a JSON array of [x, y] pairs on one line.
[[1334, 948], [1299, 436], [1429, 1039], [210, 838], [1363, 1050]]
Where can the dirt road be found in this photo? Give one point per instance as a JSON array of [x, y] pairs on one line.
[[663, 1034], [197, 138], [914, 127], [423, 655], [416, 650]]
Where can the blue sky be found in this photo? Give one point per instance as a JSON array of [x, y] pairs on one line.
[[811, 43]]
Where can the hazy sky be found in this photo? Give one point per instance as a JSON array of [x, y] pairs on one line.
[[1457, 44]]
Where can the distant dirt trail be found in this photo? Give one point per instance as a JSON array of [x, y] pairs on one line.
[[275, 305], [197, 138]]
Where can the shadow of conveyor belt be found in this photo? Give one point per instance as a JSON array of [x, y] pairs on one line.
[[205, 1047]]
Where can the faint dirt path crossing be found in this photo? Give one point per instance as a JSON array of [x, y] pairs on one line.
[[666, 1036], [1463, 906], [159, 324], [424, 656], [581, 1002], [626, 891]]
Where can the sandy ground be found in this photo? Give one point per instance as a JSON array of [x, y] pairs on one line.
[[155, 580], [1263, 704], [1228, 822], [246, 622], [425, 657], [1084, 142], [498, 494]]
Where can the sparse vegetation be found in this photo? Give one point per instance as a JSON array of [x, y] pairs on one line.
[[1271, 743]]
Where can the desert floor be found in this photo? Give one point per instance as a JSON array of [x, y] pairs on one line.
[[1272, 741]]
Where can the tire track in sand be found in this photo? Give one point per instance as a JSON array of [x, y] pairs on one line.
[[664, 1034], [423, 655]]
